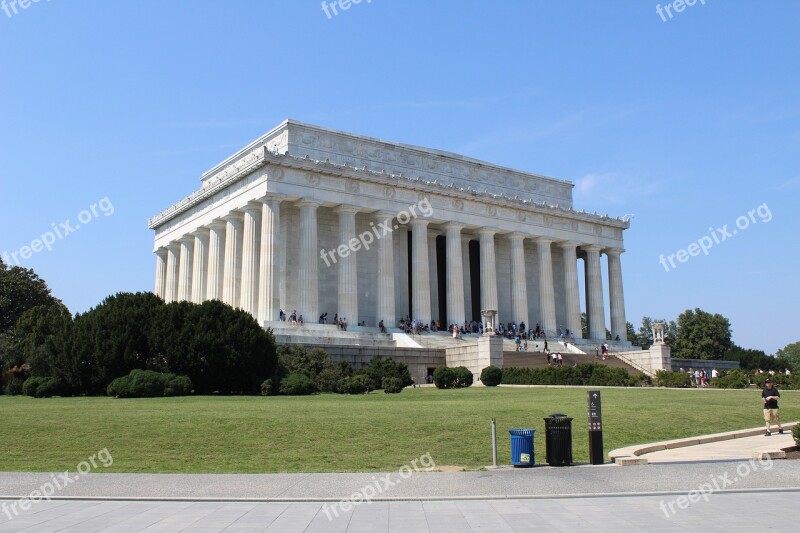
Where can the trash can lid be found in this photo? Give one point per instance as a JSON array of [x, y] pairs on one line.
[[521, 432]]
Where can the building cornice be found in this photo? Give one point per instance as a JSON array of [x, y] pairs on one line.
[[260, 157]]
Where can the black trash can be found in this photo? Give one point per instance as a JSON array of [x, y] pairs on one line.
[[558, 439]]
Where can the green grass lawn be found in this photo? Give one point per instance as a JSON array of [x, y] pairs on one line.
[[333, 433]]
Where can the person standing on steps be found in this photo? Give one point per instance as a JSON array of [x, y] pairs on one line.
[[770, 396]]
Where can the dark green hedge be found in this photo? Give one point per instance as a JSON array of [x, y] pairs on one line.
[[582, 374]]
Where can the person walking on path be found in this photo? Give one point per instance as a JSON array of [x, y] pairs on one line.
[[770, 397]]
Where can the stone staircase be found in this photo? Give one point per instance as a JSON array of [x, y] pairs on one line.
[[329, 335]]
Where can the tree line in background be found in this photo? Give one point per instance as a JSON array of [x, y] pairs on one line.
[[223, 350]]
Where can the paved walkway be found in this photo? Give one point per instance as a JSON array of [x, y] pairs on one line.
[[722, 512], [726, 450]]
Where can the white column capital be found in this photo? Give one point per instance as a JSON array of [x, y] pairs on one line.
[[614, 251], [487, 232], [454, 226], [591, 248], [161, 252], [200, 232], [419, 223], [384, 215], [272, 197], [216, 224], [252, 208], [544, 241], [233, 216], [517, 236], [186, 239], [568, 244], [308, 203], [346, 209]]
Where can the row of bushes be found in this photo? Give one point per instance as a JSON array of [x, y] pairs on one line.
[[302, 371], [582, 374], [733, 379], [149, 384]]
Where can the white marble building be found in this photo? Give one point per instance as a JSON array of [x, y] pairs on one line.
[[270, 226]]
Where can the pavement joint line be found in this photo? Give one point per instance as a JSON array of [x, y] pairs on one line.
[[207, 499]]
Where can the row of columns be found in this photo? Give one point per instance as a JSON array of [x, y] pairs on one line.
[[237, 260]]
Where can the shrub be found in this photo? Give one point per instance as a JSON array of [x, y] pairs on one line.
[[668, 378], [378, 368], [491, 376], [328, 379], [149, 384], [735, 379], [39, 387], [445, 378], [296, 384], [266, 388], [463, 376], [353, 385], [796, 434], [392, 385], [177, 385]]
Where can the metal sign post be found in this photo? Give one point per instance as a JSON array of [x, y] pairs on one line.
[[595, 429]]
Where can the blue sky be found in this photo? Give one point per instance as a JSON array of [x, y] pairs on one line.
[[685, 124]]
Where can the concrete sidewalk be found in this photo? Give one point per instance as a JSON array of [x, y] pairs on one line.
[[742, 444]]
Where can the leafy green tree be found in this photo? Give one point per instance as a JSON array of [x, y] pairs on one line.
[[20, 289], [219, 348], [631, 333], [702, 335], [378, 368], [752, 359], [790, 354], [41, 338]]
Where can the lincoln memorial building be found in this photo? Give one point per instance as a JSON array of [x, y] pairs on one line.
[[322, 221]]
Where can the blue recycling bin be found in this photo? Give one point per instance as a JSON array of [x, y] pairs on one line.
[[522, 447]]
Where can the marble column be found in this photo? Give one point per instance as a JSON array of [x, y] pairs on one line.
[[347, 265], [519, 280], [173, 264], [465, 240], [185, 269], [595, 311], [216, 260], [547, 295], [161, 273], [385, 276], [401, 288], [572, 292], [232, 273], [433, 269], [619, 326], [200, 265], [269, 302], [488, 273], [308, 268], [455, 275], [420, 275], [251, 248]]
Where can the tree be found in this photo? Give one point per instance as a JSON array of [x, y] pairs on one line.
[[752, 359], [791, 355], [702, 335], [219, 348], [631, 333], [20, 289]]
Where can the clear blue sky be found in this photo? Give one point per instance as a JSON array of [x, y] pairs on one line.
[[686, 124]]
